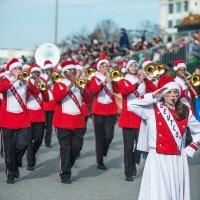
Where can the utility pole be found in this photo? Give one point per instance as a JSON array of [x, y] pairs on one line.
[[56, 23]]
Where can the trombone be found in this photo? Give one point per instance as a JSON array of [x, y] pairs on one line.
[[151, 69], [42, 85], [25, 75], [89, 72], [81, 82]]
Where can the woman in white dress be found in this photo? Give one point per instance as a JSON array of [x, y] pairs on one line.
[[166, 172]]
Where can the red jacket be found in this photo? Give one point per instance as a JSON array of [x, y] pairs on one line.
[[68, 115], [128, 119], [13, 116], [103, 104]]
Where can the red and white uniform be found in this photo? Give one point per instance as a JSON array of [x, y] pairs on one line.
[[129, 89], [166, 169], [14, 116], [103, 103], [35, 106], [68, 115]]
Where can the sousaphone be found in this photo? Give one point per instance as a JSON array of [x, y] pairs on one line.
[[47, 51]]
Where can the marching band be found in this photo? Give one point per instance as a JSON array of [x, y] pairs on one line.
[[155, 113]]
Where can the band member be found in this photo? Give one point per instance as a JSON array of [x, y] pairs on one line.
[[15, 119], [130, 88], [37, 116], [104, 110], [50, 105], [166, 170], [68, 119], [188, 93]]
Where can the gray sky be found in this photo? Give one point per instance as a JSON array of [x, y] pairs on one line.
[[26, 23]]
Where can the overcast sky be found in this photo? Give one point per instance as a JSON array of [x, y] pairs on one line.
[[26, 23]]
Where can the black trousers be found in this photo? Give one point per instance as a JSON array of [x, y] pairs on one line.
[[15, 142], [131, 155], [104, 133], [35, 140], [70, 142], [48, 127]]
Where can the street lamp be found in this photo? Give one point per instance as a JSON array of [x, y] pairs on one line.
[[56, 23]]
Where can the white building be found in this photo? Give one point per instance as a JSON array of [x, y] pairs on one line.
[[173, 11]]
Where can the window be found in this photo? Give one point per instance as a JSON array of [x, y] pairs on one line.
[[170, 24], [178, 7], [186, 6], [178, 22], [171, 8]]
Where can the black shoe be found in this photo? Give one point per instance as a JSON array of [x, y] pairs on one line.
[[66, 180], [10, 179], [129, 178], [135, 171], [16, 173], [101, 166], [30, 168], [48, 146]]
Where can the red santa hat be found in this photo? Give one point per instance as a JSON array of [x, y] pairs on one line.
[[3, 72], [179, 64], [67, 65], [146, 62], [47, 64], [128, 64], [168, 83], [35, 68], [13, 63], [101, 61], [26, 67]]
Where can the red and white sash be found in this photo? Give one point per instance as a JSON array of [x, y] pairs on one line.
[[171, 123]]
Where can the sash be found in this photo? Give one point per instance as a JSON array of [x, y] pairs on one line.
[[73, 97], [37, 99], [18, 97], [171, 123], [108, 92]]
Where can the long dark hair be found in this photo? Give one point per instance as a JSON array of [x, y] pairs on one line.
[[182, 110]]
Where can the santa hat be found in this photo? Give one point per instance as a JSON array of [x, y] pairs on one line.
[[47, 64], [146, 62], [26, 67], [34, 68], [68, 64], [179, 64], [168, 83], [3, 72], [13, 63], [101, 61], [128, 64]]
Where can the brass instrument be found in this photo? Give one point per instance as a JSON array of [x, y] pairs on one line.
[[89, 72], [152, 69], [42, 85], [24, 76], [116, 75], [161, 68], [47, 51], [193, 79], [56, 77], [81, 82]]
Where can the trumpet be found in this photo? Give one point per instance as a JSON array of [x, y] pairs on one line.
[[24, 76], [116, 75], [81, 82], [89, 72], [42, 85], [193, 79], [56, 77]]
